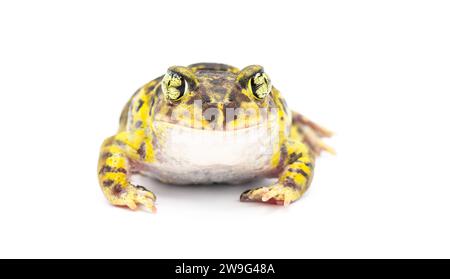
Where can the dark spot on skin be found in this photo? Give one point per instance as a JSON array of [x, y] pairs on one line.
[[108, 182], [203, 90], [220, 90], [153, 86], [122, 170], [299, 171], [308, 164], [302, 172], [216, 82], [104, 169], [283, 158], [237, 96], [159, 91], [120, 143], [169, 111], [117, 190], [241, 97], [232, 96], [106, 155], [152, 102], [138, 124], [282, 118], [154, 141], [230, 105], [150, 89], [206, 99], [141, 151], [191, 100], [244, 195], [139, 105], [289, 182], [283, 154], [271, 102], [294, 157], [209, 105], [107, 168]]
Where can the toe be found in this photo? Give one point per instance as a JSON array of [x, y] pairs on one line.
[[145, 198], [275, 194]]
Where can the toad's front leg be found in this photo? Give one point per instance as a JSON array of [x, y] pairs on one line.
[[293, 181], [114, 170]]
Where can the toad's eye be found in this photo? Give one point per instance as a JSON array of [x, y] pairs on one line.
[[174, 86], [259, 85]]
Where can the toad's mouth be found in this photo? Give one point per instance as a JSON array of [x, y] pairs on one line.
[[181, 127], [219, 121]]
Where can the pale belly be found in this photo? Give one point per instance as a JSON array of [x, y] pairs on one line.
[[193, 156]]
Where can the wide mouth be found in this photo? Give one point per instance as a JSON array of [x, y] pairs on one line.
[[223, 129], [214, 119]]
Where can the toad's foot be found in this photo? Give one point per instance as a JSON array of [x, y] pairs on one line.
[[131, 196], [293, 181], [275, 194]]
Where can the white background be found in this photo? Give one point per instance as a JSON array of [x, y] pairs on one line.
[[375, 72]]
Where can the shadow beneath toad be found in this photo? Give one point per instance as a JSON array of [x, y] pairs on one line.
[[221, 196]]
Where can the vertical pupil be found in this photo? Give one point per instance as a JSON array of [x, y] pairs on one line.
[[254, 87], [182, 87]]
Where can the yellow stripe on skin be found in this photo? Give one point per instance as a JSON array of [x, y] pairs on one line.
[[140, 108], [116, 161], [118, 178], [140, 112], [113, 172], [134, 142], [284, 121]]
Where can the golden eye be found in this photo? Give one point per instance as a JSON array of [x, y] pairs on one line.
[[174, 86], [260, 85]]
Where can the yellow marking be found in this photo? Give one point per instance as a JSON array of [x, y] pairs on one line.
[[276, 158], [149, 152], [117, 177], [115, 161]]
